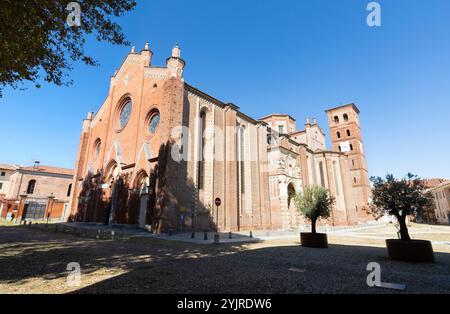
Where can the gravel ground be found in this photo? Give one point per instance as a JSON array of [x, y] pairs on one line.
[[35, 261]]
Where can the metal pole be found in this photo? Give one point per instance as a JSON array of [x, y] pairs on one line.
[[217, 220]]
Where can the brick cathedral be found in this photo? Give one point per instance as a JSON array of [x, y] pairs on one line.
[[159, 152]]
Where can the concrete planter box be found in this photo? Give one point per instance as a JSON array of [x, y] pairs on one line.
[[318, 240], [410, 251]]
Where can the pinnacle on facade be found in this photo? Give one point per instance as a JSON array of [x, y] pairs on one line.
[[176, 51]]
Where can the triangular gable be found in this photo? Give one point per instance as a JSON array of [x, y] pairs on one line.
[[143, 160], [115, 153]]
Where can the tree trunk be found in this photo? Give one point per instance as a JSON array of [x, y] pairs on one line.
[[404, 234], [313, 226]]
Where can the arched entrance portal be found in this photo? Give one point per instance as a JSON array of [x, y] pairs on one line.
[[292, 208], [143, 183], [291, 194], [146, 186], [112, 179]]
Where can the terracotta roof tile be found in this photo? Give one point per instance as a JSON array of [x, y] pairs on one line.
[[433, 182], [9, 167], [49, 169]]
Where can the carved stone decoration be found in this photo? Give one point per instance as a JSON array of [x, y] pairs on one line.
[[175, 71], [281, 163], [297, 170]]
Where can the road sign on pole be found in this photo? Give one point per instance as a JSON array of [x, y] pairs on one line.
[[217, 201]]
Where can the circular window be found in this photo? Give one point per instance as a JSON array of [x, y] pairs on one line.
[[153, 123], [152, 120], [125, 113]]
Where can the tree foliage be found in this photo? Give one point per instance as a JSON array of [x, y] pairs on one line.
[[314, 202], [400, 198], [36, 40]]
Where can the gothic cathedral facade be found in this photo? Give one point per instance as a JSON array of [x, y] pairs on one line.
[[159, 152]]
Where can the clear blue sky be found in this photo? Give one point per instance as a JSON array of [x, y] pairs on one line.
[[297, 57]]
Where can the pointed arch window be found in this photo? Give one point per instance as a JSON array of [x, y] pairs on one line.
[[321, 173], [97, 148], [241, 165], [201, 148], [241, 157]]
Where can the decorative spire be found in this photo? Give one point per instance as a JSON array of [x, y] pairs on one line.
[[175, 64], [147, 55], [307, 120], [176, 51], [133, 49]]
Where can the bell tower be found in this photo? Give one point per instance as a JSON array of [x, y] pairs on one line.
[[346, 137]]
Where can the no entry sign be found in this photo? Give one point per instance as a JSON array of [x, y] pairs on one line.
[[218, 201]]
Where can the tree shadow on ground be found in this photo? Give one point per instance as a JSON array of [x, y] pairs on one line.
[[27, 253], [287, 269], [158, 266]]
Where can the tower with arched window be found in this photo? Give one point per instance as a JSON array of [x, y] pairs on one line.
[[345, 134]]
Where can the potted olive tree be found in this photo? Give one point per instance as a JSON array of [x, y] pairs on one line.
[[314, 202], [401, 198]]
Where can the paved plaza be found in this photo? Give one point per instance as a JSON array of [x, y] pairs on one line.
[[35, 259]]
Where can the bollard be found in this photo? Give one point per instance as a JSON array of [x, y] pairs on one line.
[[230, 235], [251, 234], [192, 235], [205, 236], [112, 235], [216, 238]]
